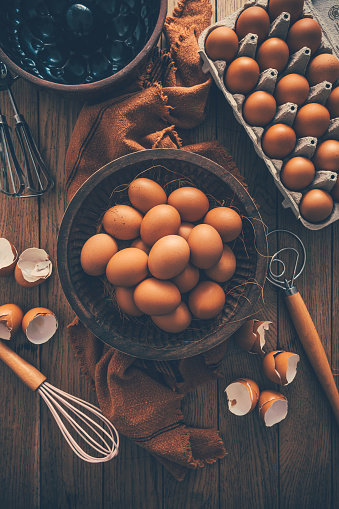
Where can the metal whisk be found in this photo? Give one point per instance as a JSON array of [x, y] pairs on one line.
[[32, 178], [61, 404], [301, 318]]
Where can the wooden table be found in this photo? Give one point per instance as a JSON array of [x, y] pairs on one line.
[[291, 465]]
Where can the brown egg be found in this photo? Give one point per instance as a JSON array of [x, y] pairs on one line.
[[145, 193], [253, 20], [191, 203], [140, 244], [206, 300], [187, 279], [160, 221], [96, 253], [297, 173], [226, 221], [326, 156], [312, 119], [316, 205], [273, 53], [156, 298], [175, 322], [335, 191], [122, 222], [324, 67], [333, 103], [305, 32], [185, 229], [225, 268], [125, 300], [206, 246], [127, 267], [292, 88], [168, 257], [259, 108], [242, 75], [222, 44], [293, 7], [278, 141], [10, 320]]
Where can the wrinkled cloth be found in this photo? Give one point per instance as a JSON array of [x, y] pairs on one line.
[[143, 398]]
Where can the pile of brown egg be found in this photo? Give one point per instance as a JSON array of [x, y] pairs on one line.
[[260, 107], [177, 258]]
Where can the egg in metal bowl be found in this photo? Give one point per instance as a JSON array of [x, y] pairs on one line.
[[138, 336]]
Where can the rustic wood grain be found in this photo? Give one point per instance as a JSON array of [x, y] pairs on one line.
[[335, 357]]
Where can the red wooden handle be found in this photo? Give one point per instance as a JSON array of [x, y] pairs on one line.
[[25, 371], [314, 349]]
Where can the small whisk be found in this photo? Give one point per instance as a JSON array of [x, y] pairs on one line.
[[32, 178], [61, 404], [301, 318]]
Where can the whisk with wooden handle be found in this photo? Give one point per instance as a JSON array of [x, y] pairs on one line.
[[302, 320], [61, 404]]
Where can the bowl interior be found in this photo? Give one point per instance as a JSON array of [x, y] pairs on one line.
[[88, 295], [69, 42]]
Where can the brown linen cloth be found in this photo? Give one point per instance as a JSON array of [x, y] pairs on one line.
[[143, 398]]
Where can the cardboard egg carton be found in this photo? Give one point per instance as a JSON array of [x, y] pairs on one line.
[[285, 113]]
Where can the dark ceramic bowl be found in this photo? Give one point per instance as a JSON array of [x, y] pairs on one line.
[[86, 294], [79, 48]]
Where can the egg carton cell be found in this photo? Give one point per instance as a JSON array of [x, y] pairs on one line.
[[285, 113]]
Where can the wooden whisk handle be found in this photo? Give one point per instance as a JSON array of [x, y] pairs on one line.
[[313, 347], [25, 371]]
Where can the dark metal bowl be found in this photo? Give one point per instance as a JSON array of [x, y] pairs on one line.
[[86, 47], [86, 294]]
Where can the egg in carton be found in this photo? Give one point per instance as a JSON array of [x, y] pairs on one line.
[[285, 113]]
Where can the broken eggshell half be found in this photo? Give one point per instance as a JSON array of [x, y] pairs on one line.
[[8, 257], [273, 407], [280, 367], [33, 267], [242, 396], [10, 320], [251, 336], [39, 325]]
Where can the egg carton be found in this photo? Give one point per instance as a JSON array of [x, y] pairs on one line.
[[285, 113]]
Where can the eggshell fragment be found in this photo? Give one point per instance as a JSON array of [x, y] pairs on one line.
[[168, 257], [242, 396], [225, 268], [39, 325], [122, 222], [127, 267], [280, 367], [191, 203], [273, 407], [226, 221], [206, 300], [206, 246], [187, 279], [8, 257], [96, 253], [33, 267], [144, 194], [155, 297], [10, 320], [125, 301], [251, 336], [175, 322], [158, 222]]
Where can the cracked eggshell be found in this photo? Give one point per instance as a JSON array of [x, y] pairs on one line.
[[33, 267], [273, 407], [251, 336], [8, 257], [39, 325], [280, 367], [242, 396], [10, 320]]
